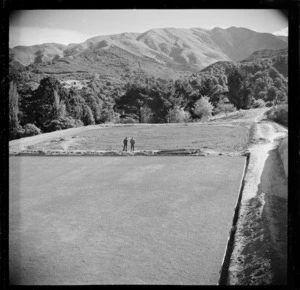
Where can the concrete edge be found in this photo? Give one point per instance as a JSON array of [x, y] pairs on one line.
[[175, 152], [230, 242], [171, 152]]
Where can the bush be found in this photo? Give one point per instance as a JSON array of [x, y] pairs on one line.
[[259, 103], [31, 130], [203, 108], [279, 114], [269, 104], [61, 124], [146, 114], [128, 120], [115, 118], [78, 123], [108, 115], [261, 95], [16, 132], [224, 108], [178, 115]]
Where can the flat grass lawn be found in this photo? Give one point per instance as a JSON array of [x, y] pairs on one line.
[[120, 220], [226, 138]]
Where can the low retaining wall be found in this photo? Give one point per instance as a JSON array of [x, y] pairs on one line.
[[176, 152], [283, 152]]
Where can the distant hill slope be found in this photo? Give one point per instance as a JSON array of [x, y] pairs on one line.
[[258, 59], [26, 55], [266, 53], [277, 58], [165, 52], [238, 43]]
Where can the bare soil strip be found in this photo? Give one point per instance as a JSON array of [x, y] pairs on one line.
[[260, 249]]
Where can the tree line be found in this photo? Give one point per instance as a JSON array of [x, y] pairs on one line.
[[144, 99]]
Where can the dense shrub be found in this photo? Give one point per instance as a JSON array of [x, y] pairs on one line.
[[115, 118], [203, 108], [146, 115], [61, 124], [269, 104], [78, 123], [31, 130], [258, 103], [128, 120], [261, 95], [224, 108], [109, 116], [279, 114], [15, 132], [178, 115]]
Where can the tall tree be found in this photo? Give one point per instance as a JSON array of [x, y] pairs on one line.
[[235, 81], [95, 104], [14, 125], [133, 101], [75, 105], [46, 102], [240, 92], [159, 102]]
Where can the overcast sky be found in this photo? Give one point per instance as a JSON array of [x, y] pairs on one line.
[[29, 27]]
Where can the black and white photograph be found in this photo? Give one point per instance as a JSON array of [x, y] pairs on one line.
[[148, 147]]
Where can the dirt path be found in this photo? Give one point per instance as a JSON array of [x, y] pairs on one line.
[[260, 248]]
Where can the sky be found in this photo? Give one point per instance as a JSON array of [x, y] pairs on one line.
[[30, 27]]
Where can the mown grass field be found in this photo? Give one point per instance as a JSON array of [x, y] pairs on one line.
[[218, 137], [120, 220]]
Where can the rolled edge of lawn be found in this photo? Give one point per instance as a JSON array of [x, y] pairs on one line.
[[230, 242]]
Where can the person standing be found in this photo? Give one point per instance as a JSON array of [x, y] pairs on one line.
[[132, 142], [125, 144]]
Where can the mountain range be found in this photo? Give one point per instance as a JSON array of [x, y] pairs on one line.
[[165, 52]]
